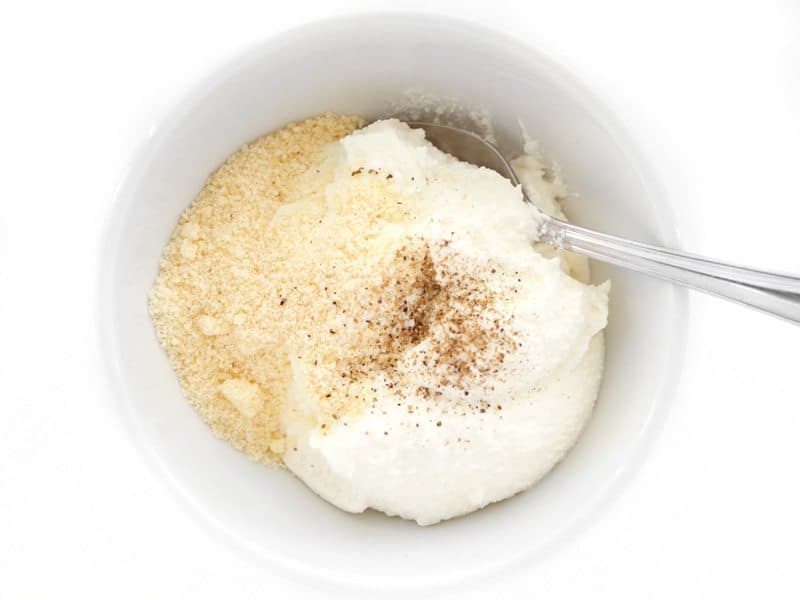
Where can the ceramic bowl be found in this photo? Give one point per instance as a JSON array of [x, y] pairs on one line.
[[366, 65]]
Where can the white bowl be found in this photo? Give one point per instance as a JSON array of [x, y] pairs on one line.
[[363, 65]]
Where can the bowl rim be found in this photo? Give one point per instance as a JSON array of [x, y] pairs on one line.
[[110, 245]]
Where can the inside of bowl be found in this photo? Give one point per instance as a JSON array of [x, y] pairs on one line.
[[366, 65]]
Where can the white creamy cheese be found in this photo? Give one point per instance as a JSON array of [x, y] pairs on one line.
[[497, 385]]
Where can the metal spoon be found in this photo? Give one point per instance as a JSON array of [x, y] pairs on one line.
[[773, 293]]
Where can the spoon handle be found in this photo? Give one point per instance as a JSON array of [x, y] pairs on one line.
[[770, 292]]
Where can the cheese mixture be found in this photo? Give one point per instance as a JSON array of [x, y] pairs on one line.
[[377, 316]]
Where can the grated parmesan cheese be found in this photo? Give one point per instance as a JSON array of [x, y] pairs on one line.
[[209, 305]]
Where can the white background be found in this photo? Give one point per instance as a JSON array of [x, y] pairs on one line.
[[715, 91]]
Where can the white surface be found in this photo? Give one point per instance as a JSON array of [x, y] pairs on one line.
[[714, 510]]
